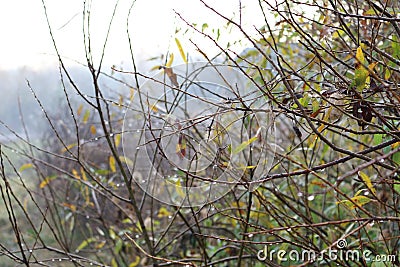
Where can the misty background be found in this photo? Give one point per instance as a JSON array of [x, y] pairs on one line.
[[27, 54]]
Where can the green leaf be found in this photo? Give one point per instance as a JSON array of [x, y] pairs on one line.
[[395, 47], [305, 100], [370, 12], [315, 105], [25, 166], [118, 246], [396, 187], [396, 158], [112, 234], [367, 182], [102, 172], [204, 26], [85, 243], [243, 145], [378, 138]]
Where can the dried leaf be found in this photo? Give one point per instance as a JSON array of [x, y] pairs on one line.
[[362, 110], [93, 129], [181, 146], [172, 76], [80, 108]]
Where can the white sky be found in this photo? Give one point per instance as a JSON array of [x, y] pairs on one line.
[[26, 40]]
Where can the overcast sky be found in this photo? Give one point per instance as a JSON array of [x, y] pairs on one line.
[[26, 40]]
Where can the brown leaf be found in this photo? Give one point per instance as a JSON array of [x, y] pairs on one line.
[[361, 110], [172, 76]]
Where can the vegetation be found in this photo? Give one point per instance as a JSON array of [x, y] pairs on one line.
[[290, 145]]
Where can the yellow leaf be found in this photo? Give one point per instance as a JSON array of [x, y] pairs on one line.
[[320, 128], [117, 139], [178, 188], [358, 200], [68, 147], [114, 263], [86, 116], [372, 66], [367, 182], [84, 177], [75, 174], [178, 44], [156, 67], [136, 262], [388, 73], [127, 161], [395, 145], [154, 108], [25, 166], [360, 72], [85, 243], [100, 245], [163, 212], [80, 108], [70, 206], [171, 59], [112, 234], [93, 129], [120, 101], [360, 56], [47, 180], [131, 94], [247, 167], [112, 164]]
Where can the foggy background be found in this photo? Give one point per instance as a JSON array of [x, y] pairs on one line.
[[27, 53]]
